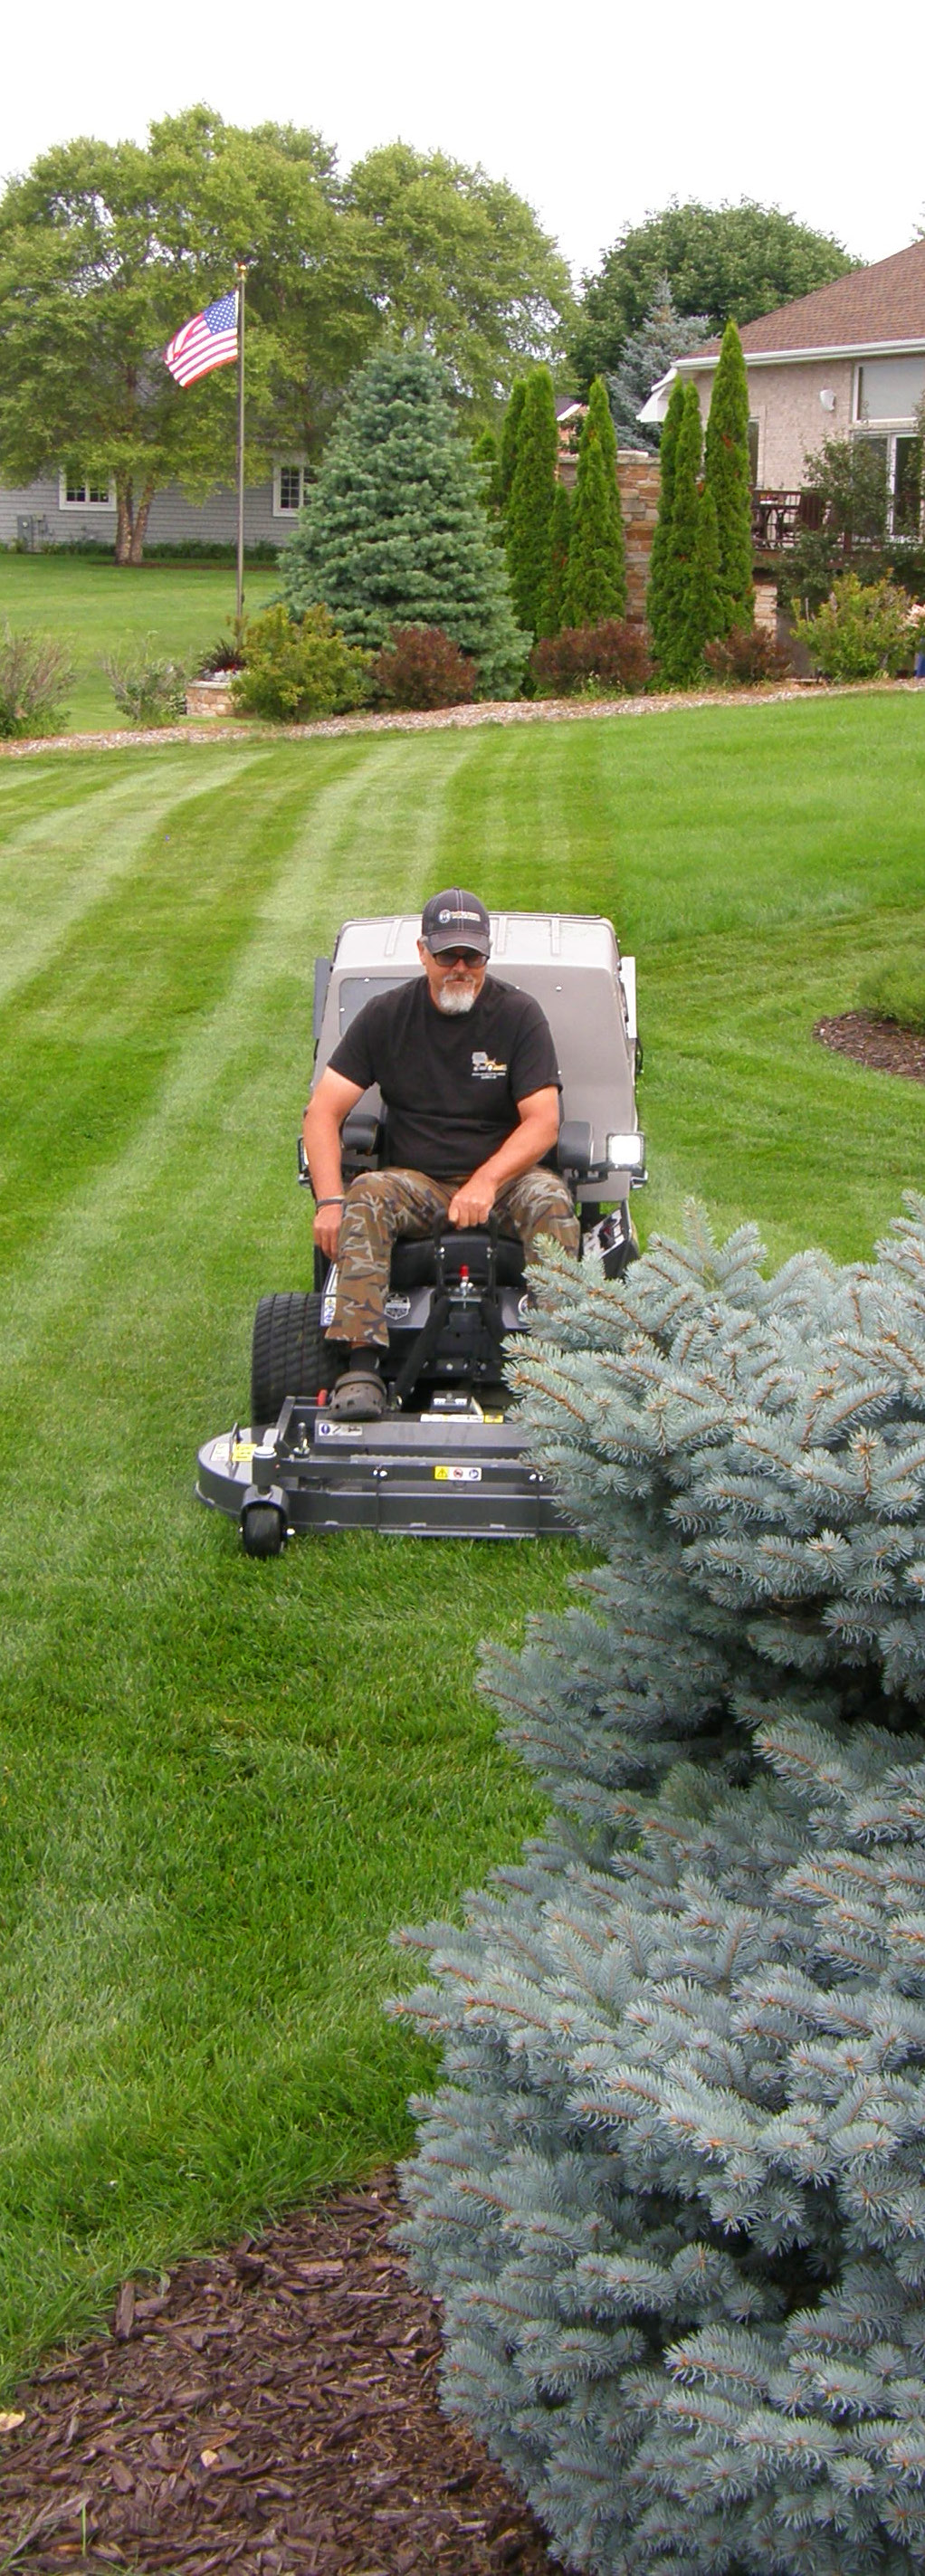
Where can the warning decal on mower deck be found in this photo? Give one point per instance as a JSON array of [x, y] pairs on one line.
[[458, 1475]]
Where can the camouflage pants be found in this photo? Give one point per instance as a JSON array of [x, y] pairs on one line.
[[382, 1205]]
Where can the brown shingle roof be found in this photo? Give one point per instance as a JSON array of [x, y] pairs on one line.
[[862, 309]]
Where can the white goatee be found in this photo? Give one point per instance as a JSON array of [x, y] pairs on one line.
[[455, 998]]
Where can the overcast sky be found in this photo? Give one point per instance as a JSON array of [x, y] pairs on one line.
[[594, 113]]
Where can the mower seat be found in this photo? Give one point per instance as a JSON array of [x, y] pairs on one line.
[[414, 1263]]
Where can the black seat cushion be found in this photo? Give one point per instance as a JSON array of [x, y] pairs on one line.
[[414, 1265]]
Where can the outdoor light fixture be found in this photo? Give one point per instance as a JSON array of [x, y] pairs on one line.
[[827, 398], [626, 1153]]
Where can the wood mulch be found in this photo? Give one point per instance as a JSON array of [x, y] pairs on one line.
[[881, 1045], [272, 2410]]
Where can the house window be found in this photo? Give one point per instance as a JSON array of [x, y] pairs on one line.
[[76, 492], [901, 457], [907, 487], [890, 388], [290, 487]]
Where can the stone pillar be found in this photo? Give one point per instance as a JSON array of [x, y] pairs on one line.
[[638, 478]]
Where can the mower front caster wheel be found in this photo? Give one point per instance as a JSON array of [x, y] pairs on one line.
[[263, 1529]]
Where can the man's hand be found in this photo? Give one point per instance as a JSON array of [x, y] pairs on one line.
[[327, 1228], [473, 1202]]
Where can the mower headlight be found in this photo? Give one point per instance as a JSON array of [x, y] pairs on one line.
[[627, 1153]]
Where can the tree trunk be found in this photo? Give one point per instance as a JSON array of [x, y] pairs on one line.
[[123, 520], [136, 549]]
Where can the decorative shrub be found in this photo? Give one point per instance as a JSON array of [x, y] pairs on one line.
[[36, 673], [298, 667], [896, 993], [147, 687], [421, 667], [226, 654], [747, 657], [613, 656], [670, 2187], [862, 630]]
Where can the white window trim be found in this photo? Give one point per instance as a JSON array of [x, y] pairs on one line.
[[65, 504], [301, 462]]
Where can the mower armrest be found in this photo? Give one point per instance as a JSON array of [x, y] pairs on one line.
[[573, 1152], [359, 1134]]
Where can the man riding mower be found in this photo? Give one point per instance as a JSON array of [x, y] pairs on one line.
[[438, 1154]]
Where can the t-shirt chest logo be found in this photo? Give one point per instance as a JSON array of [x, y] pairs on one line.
[[486, 1067]]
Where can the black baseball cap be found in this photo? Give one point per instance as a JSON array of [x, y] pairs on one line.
[[455, 919]]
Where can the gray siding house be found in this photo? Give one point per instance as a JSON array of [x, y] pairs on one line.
[[61, 508]]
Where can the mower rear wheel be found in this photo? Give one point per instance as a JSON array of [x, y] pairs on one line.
[[289, 1355]]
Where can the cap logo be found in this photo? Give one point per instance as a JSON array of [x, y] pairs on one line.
[[459, 916]]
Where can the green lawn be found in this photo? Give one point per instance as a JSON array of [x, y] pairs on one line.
[[98, 608], [221, 1784]]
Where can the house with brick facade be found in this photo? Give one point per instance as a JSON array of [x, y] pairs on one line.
[[847, 361]]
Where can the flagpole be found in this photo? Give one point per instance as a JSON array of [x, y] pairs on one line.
[[241, 273]]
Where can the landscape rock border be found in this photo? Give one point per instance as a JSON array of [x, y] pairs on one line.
[[501, 711]]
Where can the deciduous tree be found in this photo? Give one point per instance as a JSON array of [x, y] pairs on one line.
[[106, 249], [459, 260], [718, 260]]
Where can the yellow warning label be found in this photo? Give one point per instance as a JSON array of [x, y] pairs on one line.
[[458, 1475], [241, 1452]]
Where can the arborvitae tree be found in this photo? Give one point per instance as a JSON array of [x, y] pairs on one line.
[[394, 531], [596, 578], [510, 431], [670, 2189], [660, 556], [705, 613], [551, 606], [679, 652], [728, 474], [529, 508], [487, 456]]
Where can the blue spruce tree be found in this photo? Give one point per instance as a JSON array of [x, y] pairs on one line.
[[670, 2189], [394, 531]]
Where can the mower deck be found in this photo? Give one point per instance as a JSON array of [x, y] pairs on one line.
[[430, 1475]]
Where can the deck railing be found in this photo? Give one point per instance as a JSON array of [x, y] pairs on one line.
[[777, 518]]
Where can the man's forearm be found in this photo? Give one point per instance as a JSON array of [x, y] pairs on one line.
[[321, 1139], [525, 1146]]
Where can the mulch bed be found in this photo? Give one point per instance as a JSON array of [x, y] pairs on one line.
[[272, 2410], [880, 1044]]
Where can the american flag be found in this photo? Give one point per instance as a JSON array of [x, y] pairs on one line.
[[209, 340]]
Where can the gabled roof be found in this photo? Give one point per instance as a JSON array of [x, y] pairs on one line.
[[868, 308]]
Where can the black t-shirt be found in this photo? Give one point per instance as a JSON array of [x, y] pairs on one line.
[[450, 1084]]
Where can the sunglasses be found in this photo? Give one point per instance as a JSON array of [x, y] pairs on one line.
[[459, 957]]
